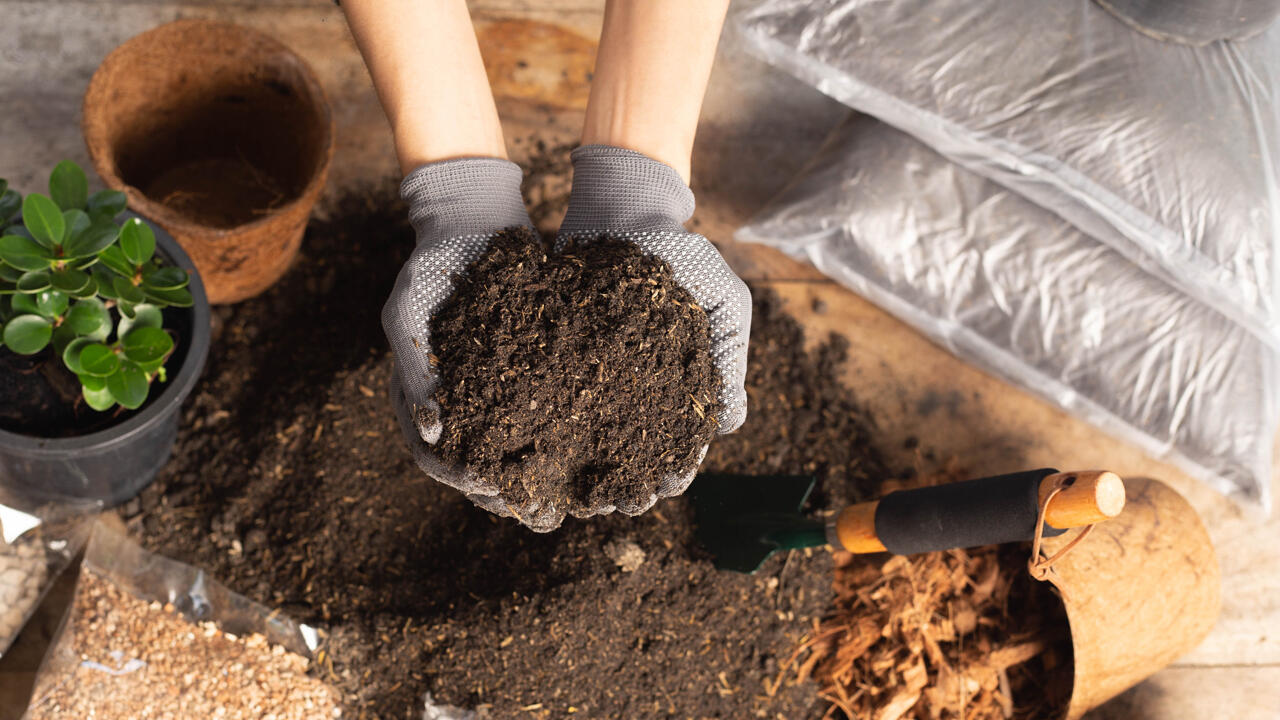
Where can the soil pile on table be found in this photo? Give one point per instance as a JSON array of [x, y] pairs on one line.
[[577, 379], [291, 483], [124, 656]]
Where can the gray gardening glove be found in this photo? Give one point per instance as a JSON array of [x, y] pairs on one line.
[[624, 194], [456, 207]]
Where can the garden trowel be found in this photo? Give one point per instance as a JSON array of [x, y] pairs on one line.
[[743, 519]]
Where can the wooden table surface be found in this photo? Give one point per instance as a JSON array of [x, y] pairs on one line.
[[758, 128]]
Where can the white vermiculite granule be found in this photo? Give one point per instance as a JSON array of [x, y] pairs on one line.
[[24, 567]]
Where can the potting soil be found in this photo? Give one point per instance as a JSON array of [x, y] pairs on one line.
[[40, 397], [290, 481], [577, 379]]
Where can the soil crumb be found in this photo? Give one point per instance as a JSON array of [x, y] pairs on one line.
[[291, 483], [576, 379]]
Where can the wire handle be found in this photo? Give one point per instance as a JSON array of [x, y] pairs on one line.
[[1041, 567]]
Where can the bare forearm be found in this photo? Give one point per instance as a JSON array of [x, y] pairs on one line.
[[651, 75], [427, 69]]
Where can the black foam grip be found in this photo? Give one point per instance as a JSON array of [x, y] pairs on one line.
[[965, 514]]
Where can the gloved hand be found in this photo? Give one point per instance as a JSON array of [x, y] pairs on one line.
[[456, 207], [626, 195]]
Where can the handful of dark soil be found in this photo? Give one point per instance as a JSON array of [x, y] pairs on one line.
[[577, 379]]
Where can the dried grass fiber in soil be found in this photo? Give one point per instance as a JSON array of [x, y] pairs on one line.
[[132, 659], [963, 634], [576, 379], [290, 482]]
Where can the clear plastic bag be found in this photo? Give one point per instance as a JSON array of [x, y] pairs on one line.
[[1163, 151], [1009, 285], [34, 550], [145, 631]]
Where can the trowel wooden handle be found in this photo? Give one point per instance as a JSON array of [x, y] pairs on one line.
[[978, 512]]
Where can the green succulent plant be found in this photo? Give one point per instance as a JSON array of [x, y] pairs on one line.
[[76, 283]]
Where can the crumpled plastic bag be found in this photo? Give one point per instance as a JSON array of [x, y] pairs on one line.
[[1019, 291], [35, 547], [1165, 152]]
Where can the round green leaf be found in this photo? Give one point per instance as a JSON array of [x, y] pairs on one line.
[[9, 273], [129, 385], [92, 382], [127, 291], [51, 303], [34, 281], [69, 280], [146, 345], [114, 259], [144, 315], [62, 337], [88, 291], [104, 279], [137, 242], [88, 316], [71, 356], [27, 334], [107, 204], [10, 201], [24, 254], [24, 303], [68, 186], [165, 278], [93, 240], [43, 219], [99, 399], [98, 360], [177, 298], [76, 222]]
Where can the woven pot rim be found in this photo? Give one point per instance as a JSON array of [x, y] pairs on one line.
[[97, 104]]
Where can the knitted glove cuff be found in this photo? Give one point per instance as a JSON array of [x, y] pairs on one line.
[[622, 190], [466, 196]]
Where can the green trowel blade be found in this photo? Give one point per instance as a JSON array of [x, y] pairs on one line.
[[744, 519]]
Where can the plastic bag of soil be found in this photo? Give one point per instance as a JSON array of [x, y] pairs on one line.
[[1004, 283], [145, 632], [1165, 152], [34, 550]]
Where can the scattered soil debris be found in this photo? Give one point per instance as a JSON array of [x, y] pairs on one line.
[[292, 485]]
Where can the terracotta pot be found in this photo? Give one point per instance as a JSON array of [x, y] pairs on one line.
[[220, 134]]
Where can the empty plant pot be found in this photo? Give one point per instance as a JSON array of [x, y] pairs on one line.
[[220, 134], [1142, 589]]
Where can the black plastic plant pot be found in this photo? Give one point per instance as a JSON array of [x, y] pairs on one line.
[[111, 466]]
